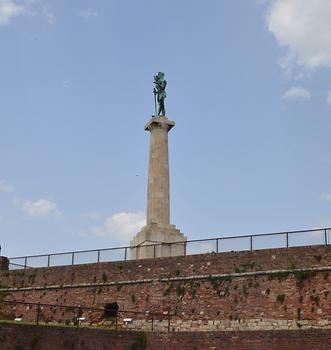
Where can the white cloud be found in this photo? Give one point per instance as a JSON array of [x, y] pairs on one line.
[[10, 9], [297, 92], [303, 27], [121, 226], [326, 196], [13, 8], [4, 187], [328, 99], [88, 14], [41, 208]]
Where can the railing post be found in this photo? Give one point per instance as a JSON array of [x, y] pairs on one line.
[[125, 253], [216, 245], [49, 260], [286, 239], [154, 251], [185, 248], [98, 256], [38, 313], [169, 323], [73, 258], [80, 314], [25, 262], [251, 243], [152, 322], [325, 237]]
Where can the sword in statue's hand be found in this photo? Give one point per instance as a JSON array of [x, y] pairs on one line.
[[155, 93]]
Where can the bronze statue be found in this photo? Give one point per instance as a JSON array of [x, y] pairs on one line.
[[159, 92]]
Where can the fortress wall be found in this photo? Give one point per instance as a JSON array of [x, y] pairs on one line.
[[4, 263], [192, 265], [256, 295], [58, 338], [25, 337]]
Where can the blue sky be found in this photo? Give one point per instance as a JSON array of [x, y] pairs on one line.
[[249, 89]]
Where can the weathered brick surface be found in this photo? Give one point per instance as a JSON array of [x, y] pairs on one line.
[[271, 259], [265, 340], [22, 337], [13, 337], [237, 303], [4, 263]]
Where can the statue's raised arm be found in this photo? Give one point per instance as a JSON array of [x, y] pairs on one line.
[[159, 91]]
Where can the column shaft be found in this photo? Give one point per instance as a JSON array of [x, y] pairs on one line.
[[158, 197]]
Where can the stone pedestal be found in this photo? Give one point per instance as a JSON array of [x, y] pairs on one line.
[[4, 263], [158, 228], [153, 242]]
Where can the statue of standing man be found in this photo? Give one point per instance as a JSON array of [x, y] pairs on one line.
[[159, 91]]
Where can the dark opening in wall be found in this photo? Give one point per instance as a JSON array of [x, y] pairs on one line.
[[111, 310]]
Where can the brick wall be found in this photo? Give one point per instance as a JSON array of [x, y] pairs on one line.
[[13, 337], [259, 340], [24, 337], [260, 290], [4, 263]]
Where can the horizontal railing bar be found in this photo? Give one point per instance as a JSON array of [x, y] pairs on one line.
[[252, 235], [175, 242], [29, 267], [77, 252]]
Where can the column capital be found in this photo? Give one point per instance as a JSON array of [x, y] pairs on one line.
[[162, 122]]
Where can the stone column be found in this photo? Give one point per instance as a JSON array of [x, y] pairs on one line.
[[4, 263], [158, 228], [158, 196]]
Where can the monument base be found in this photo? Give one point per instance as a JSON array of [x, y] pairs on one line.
[[161, 236]]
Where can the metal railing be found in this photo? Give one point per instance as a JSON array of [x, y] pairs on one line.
[[251, 242], [82, 316]]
